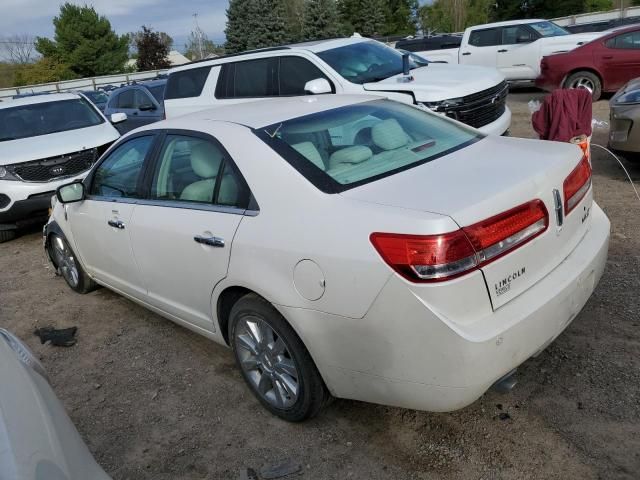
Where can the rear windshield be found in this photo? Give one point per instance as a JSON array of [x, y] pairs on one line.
[[45, 118], [349, 146], [548, 29]]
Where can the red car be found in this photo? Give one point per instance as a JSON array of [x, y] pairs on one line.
[[603, 65]]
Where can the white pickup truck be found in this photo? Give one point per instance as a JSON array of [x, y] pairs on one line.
[[514, 47]]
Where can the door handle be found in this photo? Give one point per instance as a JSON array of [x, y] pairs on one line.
[[502, 51], [116, 224], [466, 53], [211, 241]]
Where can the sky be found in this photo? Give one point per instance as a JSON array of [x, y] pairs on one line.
[[35, 17]]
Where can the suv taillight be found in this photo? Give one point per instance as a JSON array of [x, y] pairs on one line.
[[433, 258], [577, 184]]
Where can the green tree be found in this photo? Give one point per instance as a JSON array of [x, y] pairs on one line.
[[153, 52], [320, 19], [402, 17], [255, 24], [45, 70], [85, 42], [366, 17]]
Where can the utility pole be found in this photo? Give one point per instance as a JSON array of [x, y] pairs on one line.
[[199, 35]]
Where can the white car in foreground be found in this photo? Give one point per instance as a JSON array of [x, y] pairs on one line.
[[37, 439], [413, 265], [44, 141]]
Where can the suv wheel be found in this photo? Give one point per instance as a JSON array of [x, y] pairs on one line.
[[274, 362]]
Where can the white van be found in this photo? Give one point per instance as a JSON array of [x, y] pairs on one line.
[[471, 94]]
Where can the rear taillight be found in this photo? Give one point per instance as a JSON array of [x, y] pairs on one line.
[[577, 184], [432, 258]]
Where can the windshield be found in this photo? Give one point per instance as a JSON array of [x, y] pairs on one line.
[[97, 97], [45, 118], [158, 92], [357, 144], [364, 62], [548, 29]]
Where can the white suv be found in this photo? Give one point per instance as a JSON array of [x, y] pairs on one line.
[[44, 141], [471, 94]]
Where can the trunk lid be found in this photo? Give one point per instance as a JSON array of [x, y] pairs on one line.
[[487, 178]]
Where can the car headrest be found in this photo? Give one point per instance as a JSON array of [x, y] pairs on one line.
[[309, 151], [389, 134], [205, 159], [350, 155]]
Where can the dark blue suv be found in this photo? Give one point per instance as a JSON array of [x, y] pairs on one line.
[[142, 102]]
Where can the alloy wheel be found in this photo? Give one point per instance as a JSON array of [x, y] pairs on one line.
[[583, 82], [266, 362], [65, 260]]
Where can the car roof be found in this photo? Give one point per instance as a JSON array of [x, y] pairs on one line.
[[622, 29], [50, 97], [509, 22], [263, 112], [312, 46]]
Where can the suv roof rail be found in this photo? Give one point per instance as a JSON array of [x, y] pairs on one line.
[[246, 52]]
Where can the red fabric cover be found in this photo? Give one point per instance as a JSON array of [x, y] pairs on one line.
[[564, 114]]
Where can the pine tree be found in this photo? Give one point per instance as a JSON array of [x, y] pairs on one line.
[[367, 17], [236, 30], [320, 19]]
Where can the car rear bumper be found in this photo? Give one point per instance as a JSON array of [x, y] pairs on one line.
[[406, 354], [499, 126]]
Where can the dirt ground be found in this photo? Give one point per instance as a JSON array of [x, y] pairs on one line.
[[155, 401]]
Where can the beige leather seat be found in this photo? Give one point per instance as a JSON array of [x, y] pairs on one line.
[[389, 135], [349, 156], [205, 162], [309, 151]]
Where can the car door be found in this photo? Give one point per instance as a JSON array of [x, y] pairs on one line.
[[146, 108], [482, 48], [620, 59], [126, 101], [518, 54], [101, 223], [184, 230]]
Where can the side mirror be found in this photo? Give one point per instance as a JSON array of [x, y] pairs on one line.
[[145, 107], [318, 86], [118, 117], [71, 192]]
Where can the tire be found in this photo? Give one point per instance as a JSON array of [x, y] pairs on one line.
[[585, 78], [67, 265], [280, 371], [7, 235]]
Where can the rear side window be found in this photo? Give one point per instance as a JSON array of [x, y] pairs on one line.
[[186, 83], [485, 38], [248, 79], [294, 73], [627, 41]]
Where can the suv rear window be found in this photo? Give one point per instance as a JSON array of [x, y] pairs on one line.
[[248, 79], [186, 83], [349, 146]]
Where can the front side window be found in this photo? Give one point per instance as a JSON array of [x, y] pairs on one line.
[[626, 41], [118, 175], [364, 62], [194, 169], [548, 29], [126, 99], [517, 34], [158, 92], [485, 38], [357, 144], [45, 118], [294, 73]]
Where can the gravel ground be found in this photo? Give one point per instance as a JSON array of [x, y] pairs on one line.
[[155, 401]]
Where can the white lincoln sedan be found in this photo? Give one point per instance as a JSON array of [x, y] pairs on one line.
[[341, 245]]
